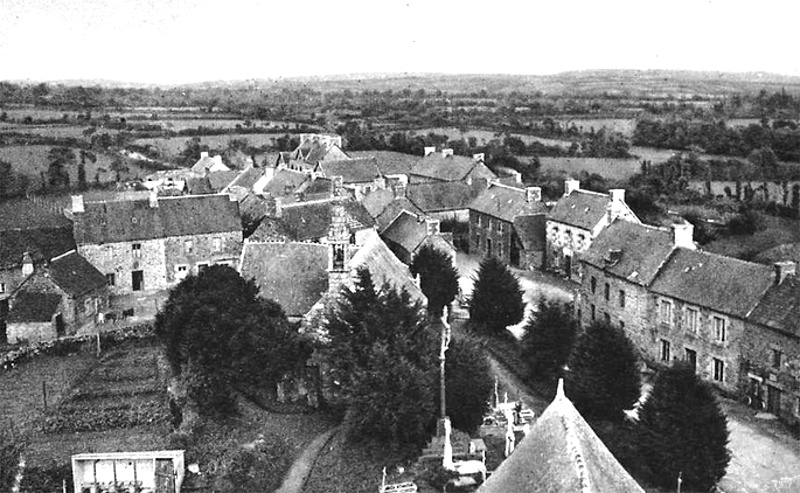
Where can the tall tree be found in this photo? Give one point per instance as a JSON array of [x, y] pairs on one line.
[[6, 176], [496, 297], [61, 159], [469, 384], [603, 378], [382, 356], [438, 277], [682, 430], [548, 339]]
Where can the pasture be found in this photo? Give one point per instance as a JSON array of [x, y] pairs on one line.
[[484, 136], [625, 126], [170, 147], [611, 169]]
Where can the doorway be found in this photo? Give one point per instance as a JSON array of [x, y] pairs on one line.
[[137, 280], [773, 400]]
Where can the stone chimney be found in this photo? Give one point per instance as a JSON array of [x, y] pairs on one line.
[[217, 159], [433, 226], [77, 204], [153, 199], [399, 191], [203, 155], [533, 194], [272, 206], [570, 186], [338, 186], [783, 270], [430, 150], [617, 194], [616, 206], [479, 157], [447, 152], [683, 235], [27, 264]]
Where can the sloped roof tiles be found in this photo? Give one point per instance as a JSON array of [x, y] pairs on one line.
[[581, 208]]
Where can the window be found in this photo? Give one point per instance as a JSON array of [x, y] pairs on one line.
[[607, 318], [797, 406], [622, 325], [719, 370], [88, 307], [665, 350], [500, 227], [607, 293], [188, 246], [594, 285], [111, 279], [621, 298], [776, 358], [201, 267], [217, 244], [479, 220], [137, 250], [594, 312], [719, 329], [690, 355], [2, 287], [665, 312], [181, 271], [692, 318]]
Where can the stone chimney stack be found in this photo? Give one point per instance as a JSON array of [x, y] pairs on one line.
[[27, 264], [683, 235], [203, 155], [617, 204], [783, 270], [533, 194], [570, 186], [447, 152], [399, 191], [617, 194], [77, 204], [433, 226], [430, 150], [479, 157], [338, 186], [272, 206], [153, 199]]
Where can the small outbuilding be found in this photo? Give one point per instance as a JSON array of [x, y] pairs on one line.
[[145, 472]]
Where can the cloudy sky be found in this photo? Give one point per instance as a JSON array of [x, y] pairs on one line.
[[177, 41]]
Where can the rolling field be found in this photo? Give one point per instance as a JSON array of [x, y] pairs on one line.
[[485, 136], [170, 147], [625, 126], [33, 161], [54, 131], [612, 169]]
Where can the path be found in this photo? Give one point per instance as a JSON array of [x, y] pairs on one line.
[[296, 477]]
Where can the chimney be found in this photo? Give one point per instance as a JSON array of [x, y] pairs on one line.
[[203, 155], [616, 206], [683, 235], [570, 186], [430, 150], [27, 264], [77, 204], [533, 194], [272, 206], [399, 191], [447, 152], [153, 199], [479, 157], [617, 194], [783, 270], [338, 186], [433, 226], [218, 160]]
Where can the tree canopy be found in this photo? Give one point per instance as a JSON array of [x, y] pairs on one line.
[[496, 297], [468, 384], [603, 378], [682, 430], [438, 277], [548, 339]]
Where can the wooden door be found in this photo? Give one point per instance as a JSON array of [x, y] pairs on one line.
[[165, 476]]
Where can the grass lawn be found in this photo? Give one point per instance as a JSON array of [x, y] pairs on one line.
[[772, 231]]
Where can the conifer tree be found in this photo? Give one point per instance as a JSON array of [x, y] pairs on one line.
[[603, 378], [469, 384], [496, 298], [548, 339], [438, 277], [682, 430]]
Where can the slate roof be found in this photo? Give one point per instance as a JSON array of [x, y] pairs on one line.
[[293, 274], [285, 182], [25, 214], [112, 222], [377, 200], [581, 208], [33, 307], [221, 179], [385, 267], [75, 275], [199, 185], [723, 284], [41, 244], [204, 164], [644, 249], [531, 231], [442, 196], [394, 208], [506, 203], [450, 168], [390, 162], [561, 454], [351, 170], [780, 307], [310, 220], [247, 178], [407, 231]]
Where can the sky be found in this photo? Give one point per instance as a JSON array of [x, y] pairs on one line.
[[182, 41]]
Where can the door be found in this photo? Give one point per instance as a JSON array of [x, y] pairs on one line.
[[165, 476], [514, 252], [488, 247], [137, 280], [3, 315], [773, 400], [59, 321], [568, 265]]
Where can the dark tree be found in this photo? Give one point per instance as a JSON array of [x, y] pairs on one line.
[[468, 382], [548, 340], [6, 176], [438, 277], [603, 378], [61, 158], [382, 357], [216, 330], [682, 430], [496, 297]]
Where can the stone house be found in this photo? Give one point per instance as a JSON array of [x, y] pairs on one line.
[[409, 232], [575, 220], [64, 297], [313, 149], [360, 176], [445, 166], [770, 348], [494, 229], [207, 164], [384, 205], [445, 200], [146, 246]]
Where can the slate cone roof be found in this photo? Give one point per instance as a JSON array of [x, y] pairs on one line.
[[561, 454]]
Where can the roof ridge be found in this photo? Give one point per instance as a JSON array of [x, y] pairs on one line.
[[574, 449], [58, 257], [592, 192]]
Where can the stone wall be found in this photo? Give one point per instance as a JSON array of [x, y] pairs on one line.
[[565, 243], [32, 332], [123, 258], [483, 227], [185, 255]]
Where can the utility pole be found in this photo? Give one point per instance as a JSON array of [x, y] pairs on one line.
[[445, 344]]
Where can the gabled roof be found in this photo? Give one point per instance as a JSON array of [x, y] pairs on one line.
[[205, 163], [33, 307], [722, 284], [221, 179], [780, 308], [531, 232], [407, 231], [377, 200], [24, 214], [581, 208], [442, 196], [199, 185], [389, 162], [506, 203], [391, 212], [561, 454], [450, 168], [385, 267], [285, 182], [247, 178], [643, 250], [311, 220], [75, 275], [293, 274], [41, 244], [111, 222], [351, 170]]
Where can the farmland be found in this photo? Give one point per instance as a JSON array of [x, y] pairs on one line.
[[484, 136], [170, 147], [612, 169]]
